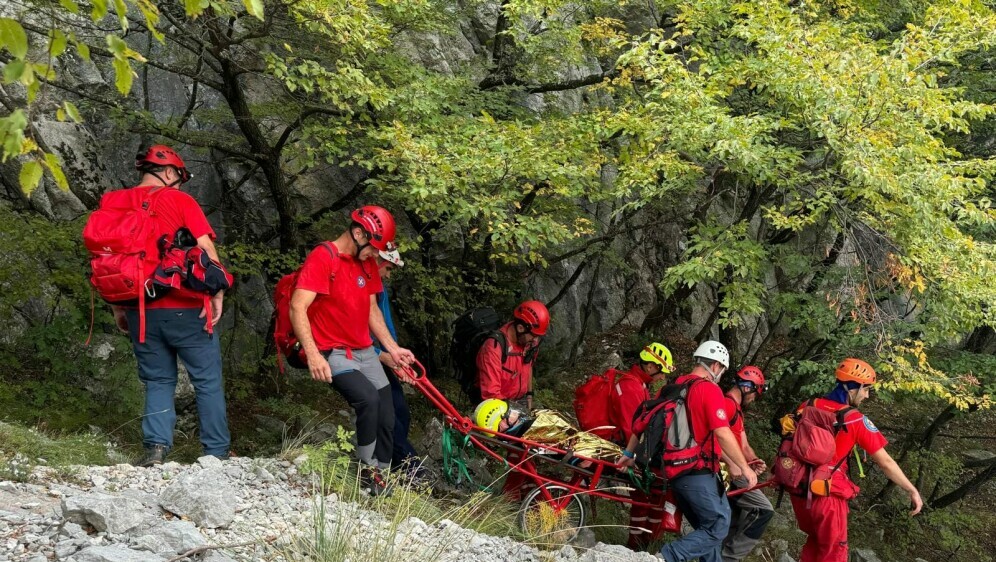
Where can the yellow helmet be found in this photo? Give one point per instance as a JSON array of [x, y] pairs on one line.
[[657, 353], [489, 413]]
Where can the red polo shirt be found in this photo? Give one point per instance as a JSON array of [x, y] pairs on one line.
[[170, 210], [708, 413], [736, 417], [340, 314]]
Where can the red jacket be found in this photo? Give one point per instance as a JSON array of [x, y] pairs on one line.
[[508, 381], [628, 393]]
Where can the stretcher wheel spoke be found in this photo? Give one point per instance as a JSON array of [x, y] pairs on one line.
[[552, 514]]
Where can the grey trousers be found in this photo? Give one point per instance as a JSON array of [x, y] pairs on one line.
[[359, 377], [752, 512]]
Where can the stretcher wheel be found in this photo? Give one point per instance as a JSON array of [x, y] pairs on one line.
[[554, 517]]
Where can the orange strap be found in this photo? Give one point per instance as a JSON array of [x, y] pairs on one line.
[[207, 316]]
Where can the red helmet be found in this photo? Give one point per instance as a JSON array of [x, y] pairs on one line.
[[535, 315], [753, 375], [379, 223], [162, 155]]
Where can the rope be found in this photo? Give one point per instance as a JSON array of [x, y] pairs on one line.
[[454, 460], [642, 483]]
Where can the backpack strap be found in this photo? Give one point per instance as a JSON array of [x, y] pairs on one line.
[[736, 416], [710, 461], [502, 342], [333, 253]]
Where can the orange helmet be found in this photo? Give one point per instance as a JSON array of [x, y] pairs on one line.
[[855, 370]]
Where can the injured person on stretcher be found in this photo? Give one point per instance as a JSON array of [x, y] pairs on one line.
[[543, 427]]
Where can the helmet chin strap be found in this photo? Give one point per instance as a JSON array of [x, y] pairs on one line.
[[359, 247], [162, 181]]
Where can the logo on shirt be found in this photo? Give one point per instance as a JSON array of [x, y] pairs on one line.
[[361, 281], [869, 424], [721, 414]]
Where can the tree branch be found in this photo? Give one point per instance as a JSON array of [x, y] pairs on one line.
[[300, 121], [590, 80]]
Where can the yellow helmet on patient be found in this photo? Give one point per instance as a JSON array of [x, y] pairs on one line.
[[489, 413]]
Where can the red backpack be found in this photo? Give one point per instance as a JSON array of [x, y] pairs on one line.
[[664, 425], [288, 346], [593, 405], [803, 463], [123, 245]]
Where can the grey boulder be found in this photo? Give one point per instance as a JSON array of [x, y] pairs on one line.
[[206, 497], [113, 514], [115, 553]]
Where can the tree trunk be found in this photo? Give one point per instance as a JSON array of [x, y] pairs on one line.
[[268, 160]]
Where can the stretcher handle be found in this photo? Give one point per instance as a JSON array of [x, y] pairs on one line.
[[416, 375]]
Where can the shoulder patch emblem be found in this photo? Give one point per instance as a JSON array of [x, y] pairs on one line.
[[361, 281], [721, 414], [869, 424]]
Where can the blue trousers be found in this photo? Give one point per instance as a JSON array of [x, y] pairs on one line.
[[403, 449], [702, 501], [172, 333]]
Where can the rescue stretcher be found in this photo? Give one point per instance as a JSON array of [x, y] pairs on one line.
[[564, 480]]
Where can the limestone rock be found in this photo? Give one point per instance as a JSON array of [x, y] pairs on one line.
[[116, 553], [113, 514], [205, 497], [169, 537]]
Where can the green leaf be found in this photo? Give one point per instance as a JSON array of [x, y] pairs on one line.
[[13, 71], [254, 7], [122, 11], [194, 8], [52, 161], [83, 50], [12, 37], [31, 174], [123, 75], [12, 133], [60, 114], [70, 6], [33, 87], [99, 9], [116, 44], [72, 111], [57, 43]]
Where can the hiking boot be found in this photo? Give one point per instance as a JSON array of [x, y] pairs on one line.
[[154, 455], [373, 482]]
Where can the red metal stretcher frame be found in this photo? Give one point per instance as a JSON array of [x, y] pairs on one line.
[[417, 377]]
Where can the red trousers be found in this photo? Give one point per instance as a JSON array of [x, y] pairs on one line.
[[826, 524], [644, 522]]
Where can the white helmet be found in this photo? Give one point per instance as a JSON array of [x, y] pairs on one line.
[[393, 256], [713, 351]]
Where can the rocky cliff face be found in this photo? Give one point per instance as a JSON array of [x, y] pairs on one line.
[[98, 157]]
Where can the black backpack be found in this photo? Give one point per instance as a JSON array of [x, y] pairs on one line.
[[470, 331]]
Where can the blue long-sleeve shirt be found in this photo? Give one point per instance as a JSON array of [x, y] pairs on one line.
[[384, 303]]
